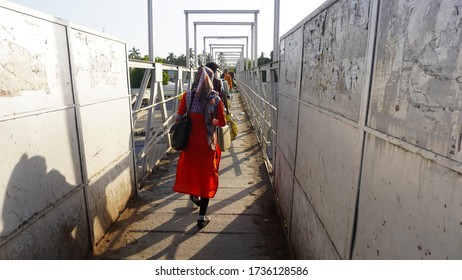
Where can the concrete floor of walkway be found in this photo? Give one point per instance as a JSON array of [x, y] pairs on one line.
[[160, 224]]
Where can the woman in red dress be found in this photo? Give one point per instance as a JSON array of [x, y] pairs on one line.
[[197, 170]]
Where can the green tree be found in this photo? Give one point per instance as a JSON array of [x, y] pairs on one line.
[[134, 53], [171, 58], [180, 60], [160, 60], [165, 77], [263, 60], [136, 76]]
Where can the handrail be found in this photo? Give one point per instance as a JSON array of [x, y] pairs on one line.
[[260, 100], [152, 122], [156, 103]]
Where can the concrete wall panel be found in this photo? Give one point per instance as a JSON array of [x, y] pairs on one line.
[[34, 72], [287, 128], [290, 66], [284, 185], [410, 207], [416, 93], [334, 58], [40, 166], [109, 193], [60, 234], [327, 169], [43, 187], [100, 66], [307, 235], [106, 132]]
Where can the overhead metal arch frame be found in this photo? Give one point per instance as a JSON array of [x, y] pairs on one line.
[[276, 47], [225, 47], [252, 24], [229, 38], [254, 28], [230, 58]]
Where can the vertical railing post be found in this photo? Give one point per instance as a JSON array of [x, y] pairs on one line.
[[187, 38], [276, 31], [195, 45], [150, 31], [256, 38]]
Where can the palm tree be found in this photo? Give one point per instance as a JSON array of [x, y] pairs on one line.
[[181, 60], [171, 58], [134, 53]]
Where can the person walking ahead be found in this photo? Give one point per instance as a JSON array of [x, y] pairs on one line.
[[218, 85], [228, 79], [197, 169]]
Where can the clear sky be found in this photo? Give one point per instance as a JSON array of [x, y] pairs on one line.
[[127, 20]]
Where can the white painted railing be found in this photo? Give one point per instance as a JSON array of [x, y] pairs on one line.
[[258, 87], [153, 112]]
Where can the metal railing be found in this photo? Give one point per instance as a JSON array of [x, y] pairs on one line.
[[153, 110], [259, 88]]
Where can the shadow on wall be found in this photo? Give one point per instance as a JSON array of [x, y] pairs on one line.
[[34, 194]]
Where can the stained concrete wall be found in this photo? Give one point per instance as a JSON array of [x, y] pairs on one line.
[[368, 161], [67, 166]]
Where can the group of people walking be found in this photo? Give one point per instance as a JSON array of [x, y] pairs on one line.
[[198, 163]]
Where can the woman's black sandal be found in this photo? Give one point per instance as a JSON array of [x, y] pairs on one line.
[[203, 223]]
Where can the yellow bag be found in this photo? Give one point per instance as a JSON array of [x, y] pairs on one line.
[[233, 124]]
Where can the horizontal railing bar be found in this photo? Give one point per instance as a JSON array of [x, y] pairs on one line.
[[221, 11]]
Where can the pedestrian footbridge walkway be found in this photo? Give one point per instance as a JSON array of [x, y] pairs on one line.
[[245, 224]]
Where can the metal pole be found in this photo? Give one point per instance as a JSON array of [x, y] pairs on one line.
[[252, 46], [203, 59], [187, 40], [195, 45], [276, 31], [256, 40], [150, 32], [246, 52]]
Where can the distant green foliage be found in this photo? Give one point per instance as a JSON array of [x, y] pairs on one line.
[[136, 75], [165, 78], [263, 60]]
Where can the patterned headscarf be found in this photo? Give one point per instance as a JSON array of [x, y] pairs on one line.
[[203, 87], [204, 82]]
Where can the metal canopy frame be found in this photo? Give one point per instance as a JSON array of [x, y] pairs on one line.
[[212, 49], [233, 47], [196, 23], [254, 28], [231, 58], [227, 37], [227, 46]]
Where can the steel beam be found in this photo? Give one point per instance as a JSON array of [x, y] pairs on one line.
[[253, 25]]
